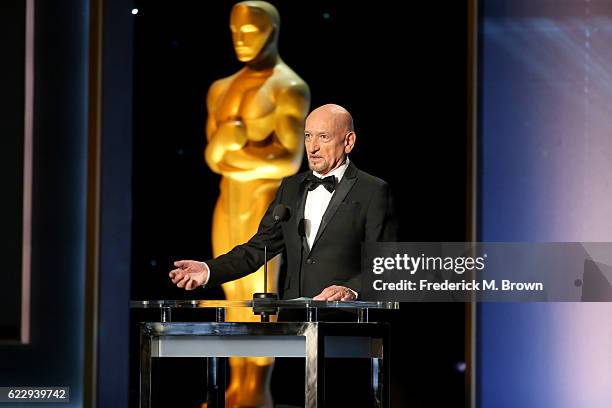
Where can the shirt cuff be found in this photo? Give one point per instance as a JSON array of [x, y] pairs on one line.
[[207, 275]]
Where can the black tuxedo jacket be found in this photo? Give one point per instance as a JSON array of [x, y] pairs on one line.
[[360, 210]]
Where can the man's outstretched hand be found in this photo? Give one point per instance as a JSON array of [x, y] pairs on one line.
[[336, 292], [189, 274]]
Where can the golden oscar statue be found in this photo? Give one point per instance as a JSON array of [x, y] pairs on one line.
[[255, 131]]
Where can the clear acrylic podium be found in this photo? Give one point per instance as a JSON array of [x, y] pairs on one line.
[[311, 339]]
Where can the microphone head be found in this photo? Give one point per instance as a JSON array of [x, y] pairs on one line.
[[280, 213]]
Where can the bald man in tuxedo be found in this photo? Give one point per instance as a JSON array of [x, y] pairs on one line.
[[333, 209]]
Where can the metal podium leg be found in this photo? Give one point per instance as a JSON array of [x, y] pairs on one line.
[[216, 375], [362, 316], [385, 370], [215, 395], [380, 370], [166, 314], [145, 370], [312, 314], [376, 382], [315, 368]]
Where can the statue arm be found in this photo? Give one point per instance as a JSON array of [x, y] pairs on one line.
[[212, 99], [211, 152], [292, 107], [221, 137]]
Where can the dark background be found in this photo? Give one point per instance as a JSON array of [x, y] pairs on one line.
[[54, 354], [400, 72], [12, 99]]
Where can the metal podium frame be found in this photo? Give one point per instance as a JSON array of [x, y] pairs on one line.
[[312, 340]]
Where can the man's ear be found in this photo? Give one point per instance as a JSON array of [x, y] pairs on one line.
[[349, 142]]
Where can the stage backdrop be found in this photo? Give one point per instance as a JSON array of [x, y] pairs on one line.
[[52, 353], [545, 175]]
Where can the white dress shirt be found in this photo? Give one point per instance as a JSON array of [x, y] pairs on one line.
[[317, 201]]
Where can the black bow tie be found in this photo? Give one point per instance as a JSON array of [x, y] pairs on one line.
[[328, 182]]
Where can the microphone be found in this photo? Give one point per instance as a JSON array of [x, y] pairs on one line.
[[279, 214]]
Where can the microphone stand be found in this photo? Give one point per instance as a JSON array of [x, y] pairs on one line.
[[263, 302]]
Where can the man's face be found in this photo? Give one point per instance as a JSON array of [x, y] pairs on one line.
[[251, 29], [327, 142]]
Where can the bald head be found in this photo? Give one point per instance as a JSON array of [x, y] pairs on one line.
[[329, 137], [338, 116]]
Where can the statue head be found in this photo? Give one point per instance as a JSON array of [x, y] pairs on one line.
[[255, 26]]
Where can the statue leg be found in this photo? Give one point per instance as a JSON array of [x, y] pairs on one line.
[[236, 218], [223, 240]]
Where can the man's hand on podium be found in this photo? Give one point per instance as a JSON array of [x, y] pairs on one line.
[[189, 274], [336, 292]]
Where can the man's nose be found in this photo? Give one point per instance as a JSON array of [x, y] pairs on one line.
[[312, 146]]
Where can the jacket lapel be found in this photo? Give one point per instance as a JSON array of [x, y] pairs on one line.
[[343, 188]]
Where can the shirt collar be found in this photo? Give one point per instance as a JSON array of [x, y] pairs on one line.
[[338, 172]]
